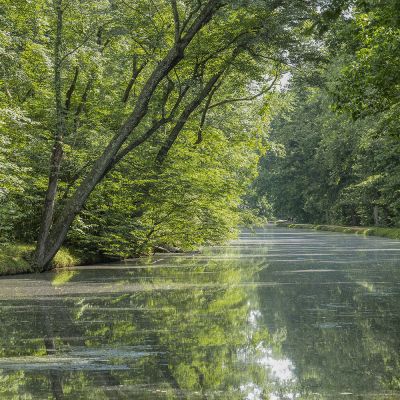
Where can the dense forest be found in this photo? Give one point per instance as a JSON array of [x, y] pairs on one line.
[[127, 127], [334, 153]]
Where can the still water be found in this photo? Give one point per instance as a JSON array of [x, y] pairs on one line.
[[277, 314]]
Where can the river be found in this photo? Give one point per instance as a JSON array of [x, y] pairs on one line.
[[276, 314]]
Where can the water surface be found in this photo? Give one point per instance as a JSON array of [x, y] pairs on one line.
[[277, 314]]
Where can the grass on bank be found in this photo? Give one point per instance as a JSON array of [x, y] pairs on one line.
[[391, 233], [14, 258]]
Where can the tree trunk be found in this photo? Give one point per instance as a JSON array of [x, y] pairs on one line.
[[376, 215], [57, 152]]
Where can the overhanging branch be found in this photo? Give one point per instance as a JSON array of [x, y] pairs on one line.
[[249, 98]]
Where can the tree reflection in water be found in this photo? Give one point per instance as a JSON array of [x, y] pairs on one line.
[[197, 335]]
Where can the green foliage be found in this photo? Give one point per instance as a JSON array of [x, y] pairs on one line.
[[369, 83], [15, 258], [195, 198], [200, 192], [333, 169], [193, 201]]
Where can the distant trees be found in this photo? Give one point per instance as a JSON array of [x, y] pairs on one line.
[[335, 152]]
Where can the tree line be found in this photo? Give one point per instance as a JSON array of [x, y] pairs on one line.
[[334, 143]]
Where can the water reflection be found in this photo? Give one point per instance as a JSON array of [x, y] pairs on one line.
[[278, 314]]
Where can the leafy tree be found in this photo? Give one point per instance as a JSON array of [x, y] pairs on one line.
[[119, 93], [367, 83]]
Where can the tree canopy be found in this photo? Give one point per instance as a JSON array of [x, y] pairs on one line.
[[127, 127], [150, 117]]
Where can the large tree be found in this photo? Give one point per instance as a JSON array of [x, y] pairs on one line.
[[107, 79]]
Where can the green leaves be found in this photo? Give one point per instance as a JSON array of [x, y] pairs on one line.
[[370, 83]]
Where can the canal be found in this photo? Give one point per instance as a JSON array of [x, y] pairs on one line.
[[276, 314]]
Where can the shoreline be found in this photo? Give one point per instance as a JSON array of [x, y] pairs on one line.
[[389, 233], [14, 259]]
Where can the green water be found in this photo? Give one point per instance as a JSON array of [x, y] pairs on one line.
[[277, 314]]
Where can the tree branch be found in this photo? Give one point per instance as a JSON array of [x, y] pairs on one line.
[[250, 98], [190, 16], [71, 90], [176, 20], [155, 126], [188, 110], [168, 90], [82, 103], [136, 70], [85, 40], [204, 114]]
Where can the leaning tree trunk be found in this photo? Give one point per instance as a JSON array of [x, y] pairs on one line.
[[57, 152], [54, 237]]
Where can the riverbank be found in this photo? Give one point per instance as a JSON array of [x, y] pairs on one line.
[[14, 258], [391, 233]]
